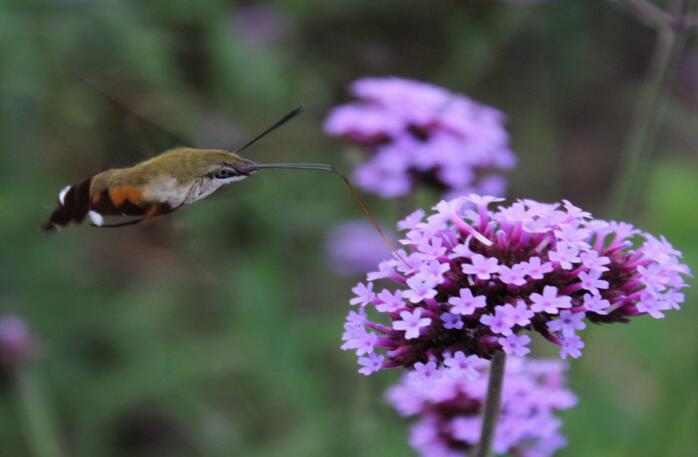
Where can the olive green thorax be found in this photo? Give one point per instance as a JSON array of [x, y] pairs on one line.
[[186, 165]]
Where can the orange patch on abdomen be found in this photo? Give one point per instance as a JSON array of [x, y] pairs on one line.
[[121, 195]]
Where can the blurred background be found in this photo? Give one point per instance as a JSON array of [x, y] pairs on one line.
[[216, 331]]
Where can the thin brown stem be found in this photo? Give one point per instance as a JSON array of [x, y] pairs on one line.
[[35, 417], [492, 404], [648, 12], [646, 121]]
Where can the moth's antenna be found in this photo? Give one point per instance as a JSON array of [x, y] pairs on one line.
[[276, 125], [354, 193]]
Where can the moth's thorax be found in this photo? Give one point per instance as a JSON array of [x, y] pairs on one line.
[[166, 188], [176, 177]]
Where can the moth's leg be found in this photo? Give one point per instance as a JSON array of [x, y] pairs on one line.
[[156, 210], [120, 224]]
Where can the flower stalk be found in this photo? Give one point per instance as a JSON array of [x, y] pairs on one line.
[[671, 29], [647, 12], [35, 418], [492, 404]]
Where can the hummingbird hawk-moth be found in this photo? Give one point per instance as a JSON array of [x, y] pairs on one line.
[[168, 182]]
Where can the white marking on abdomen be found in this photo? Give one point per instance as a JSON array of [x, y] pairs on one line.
[[61, 195], [96, 218]]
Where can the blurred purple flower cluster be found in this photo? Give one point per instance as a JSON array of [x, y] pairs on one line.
[[355, 247], [16, 342], [261, 25], [417, 133], [474, 280], [448, 410]]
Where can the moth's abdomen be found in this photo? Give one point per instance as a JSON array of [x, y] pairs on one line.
[[72, 206], [78, 201], [118, 201], [125, 201]]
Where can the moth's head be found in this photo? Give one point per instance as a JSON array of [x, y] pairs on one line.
[[229, 167], [215, 166]]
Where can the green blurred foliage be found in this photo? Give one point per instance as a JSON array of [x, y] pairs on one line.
[[215, 331]]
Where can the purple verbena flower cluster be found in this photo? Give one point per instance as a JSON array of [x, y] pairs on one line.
[[420, 133], [448, 410], [473, 280]]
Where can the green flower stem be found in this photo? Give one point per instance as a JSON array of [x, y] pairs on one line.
[[647, 12], [35, 418], [642, 135], [492, 404]]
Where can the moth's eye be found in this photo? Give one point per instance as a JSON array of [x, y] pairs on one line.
[[223, 173]]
